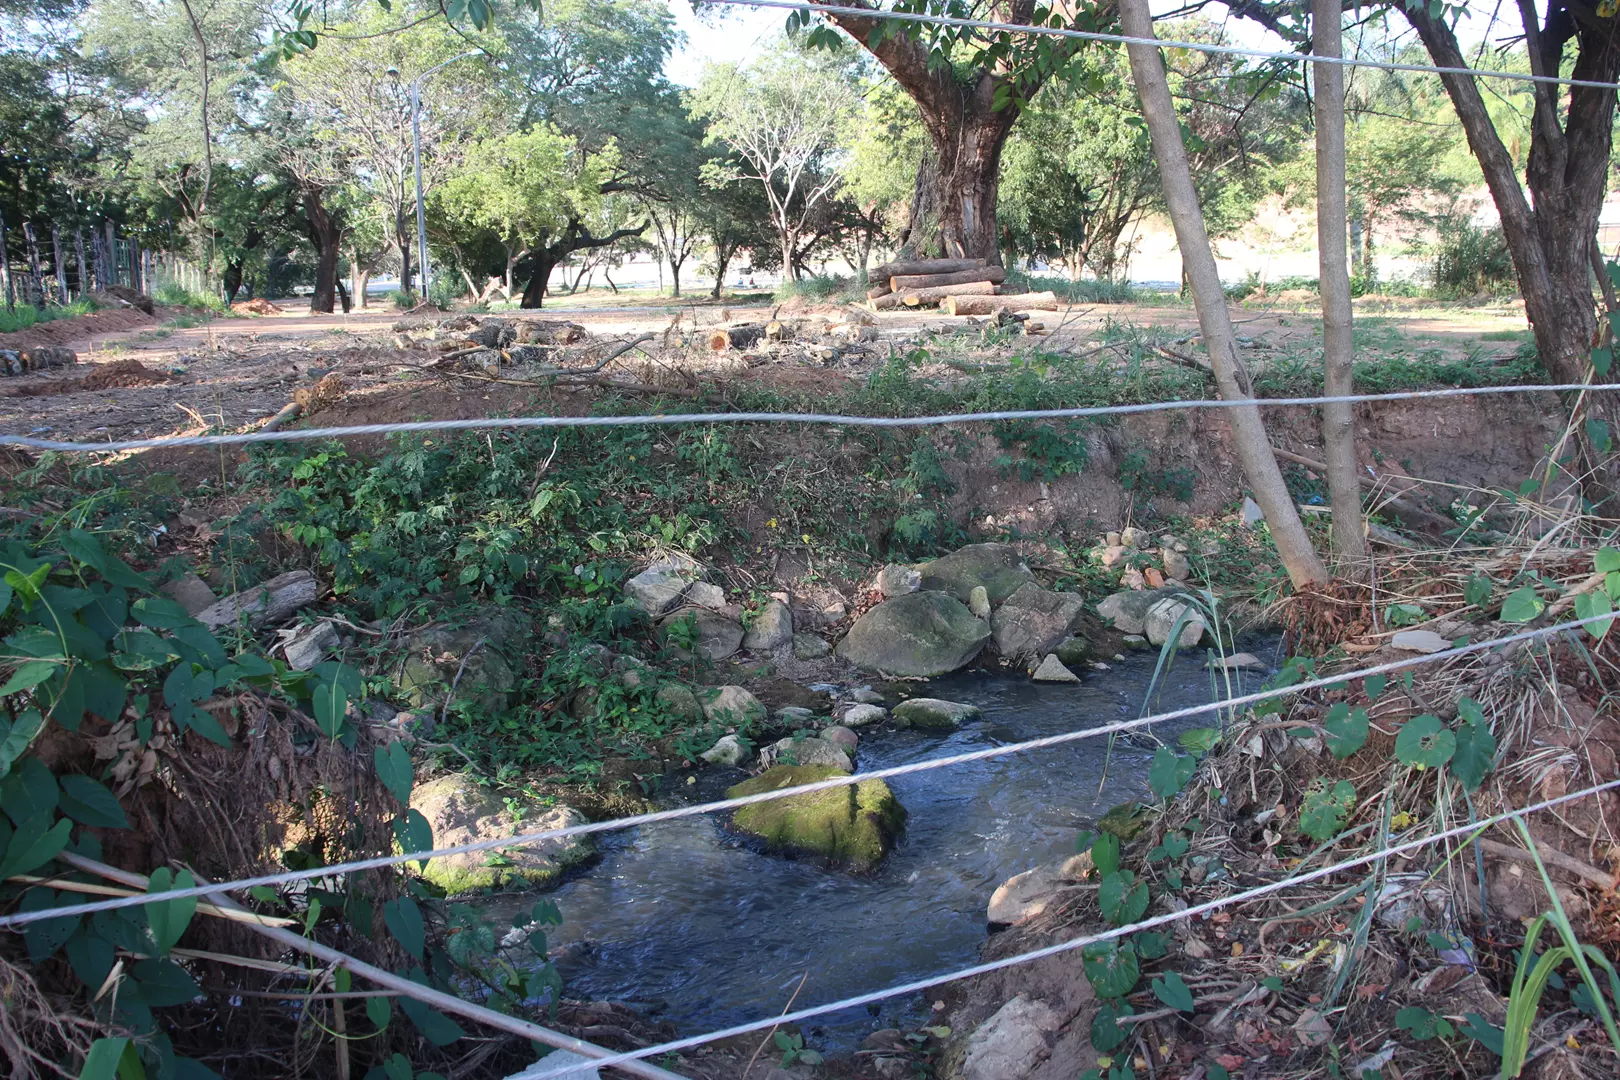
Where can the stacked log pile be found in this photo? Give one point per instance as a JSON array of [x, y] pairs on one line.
[[955, 286]]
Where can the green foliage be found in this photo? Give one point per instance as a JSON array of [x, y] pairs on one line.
[[1170, 989], [1111, 967], [1346, 729], [1424, 1025], [793, 1049], [16, 319], [172, 294], [1122, 898], [1424, 743], [1324, 811]]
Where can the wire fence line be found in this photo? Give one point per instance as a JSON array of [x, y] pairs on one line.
[[289, 877], [831, 419], [1162, 43], [919, 985]]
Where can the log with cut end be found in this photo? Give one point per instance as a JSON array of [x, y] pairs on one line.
[[741, 336], [903, 267], [989, 305], [907, 283], [776, 330], [878, 290], [931, 297]]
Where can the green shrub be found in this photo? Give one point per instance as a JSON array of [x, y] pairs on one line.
[[1470, 261], [174, 294], [23, 316], [830, 288], [402, 298]]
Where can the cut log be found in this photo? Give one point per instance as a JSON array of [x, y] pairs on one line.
[[741, 336], [878, 290], [907, 283], [777, 331], [886, 302], [989, 305], [263, 604], [931, 297], [923, 266]]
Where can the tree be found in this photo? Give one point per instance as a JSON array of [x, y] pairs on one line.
[[970, 87], [1338, 346], [1250, 441], [353, 92], [733, 216], [784, 116], [888, 147], [536, 190]]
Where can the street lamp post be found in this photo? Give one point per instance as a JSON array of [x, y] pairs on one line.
[[416, 153]]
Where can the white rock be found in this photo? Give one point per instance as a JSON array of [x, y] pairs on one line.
[[659, 588], [557, 1059], [1114, 554], [808, 751], [1175, 564], [1423, 641], [858, 716], [310, 645], [1052, 670], [1252, 514], [1132, 537], [731, 705], [1111, 539], [866, 696], [795, 714], [728, 751], [1024, 896], [839, 735], [1012, 1042]]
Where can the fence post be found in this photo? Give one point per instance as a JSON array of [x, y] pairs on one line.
[[37, 295], [58, 266], [98, 258], [146, 270], [5, 265], [79, 263], [111, 249]]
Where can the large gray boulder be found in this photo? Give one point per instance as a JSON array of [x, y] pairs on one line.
[[919, 635], [997, 567], [1012, 1042], [461, 812], [732, 706], [771, 628], [811, 750], [717, 636], [1033, 621], [1128, 609], [1163, 617], [659, 588]]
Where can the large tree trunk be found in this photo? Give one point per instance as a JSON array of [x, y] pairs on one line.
[[1249, 437], [577, 237], [953, 210], [1551, 233], [1338, 349], [327, 235]]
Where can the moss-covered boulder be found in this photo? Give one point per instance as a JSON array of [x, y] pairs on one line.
[[852, 826], [997, 567], [927, 712], [462, 812], [920, 635], [481, 651]]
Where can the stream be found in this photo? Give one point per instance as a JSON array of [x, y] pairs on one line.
[[686, 922]]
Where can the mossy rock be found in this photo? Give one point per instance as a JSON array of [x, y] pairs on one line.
[[997, 567], [1124, 821], [434, 656], [852, 826], [461, 812]]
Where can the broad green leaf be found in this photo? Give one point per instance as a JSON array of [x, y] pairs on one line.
[[1106, 1033], [1424, 743], [101, 1063], [1374, 686], [33, 845], [160, 613], [379, 1010], [1150, 945], [1172, 991], [393, 763], [169, 918], [1346, 729], [1606, 560], [44, 936], [404, 920], [435, 1027], [1322, 815], [30, 792], [29, 675], [1478, 590], [1482, 1031], [90, 803], [1122, 898], [164, 982], [1419, 1021], [1522, 605], [1105, 854], [1595, 605], [1199, 740], [1476, 752], [1169, 772], [1111, 967], [331, 703], [413, 833], [1469, 710], [17, 736]]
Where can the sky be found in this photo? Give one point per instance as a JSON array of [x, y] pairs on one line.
[[738, 34]]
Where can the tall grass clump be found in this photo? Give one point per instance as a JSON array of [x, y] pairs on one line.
[[22, 316], [174, 294], [1083, 291], [831, 288]]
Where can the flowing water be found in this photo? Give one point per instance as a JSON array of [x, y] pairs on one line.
[[683, 920]]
